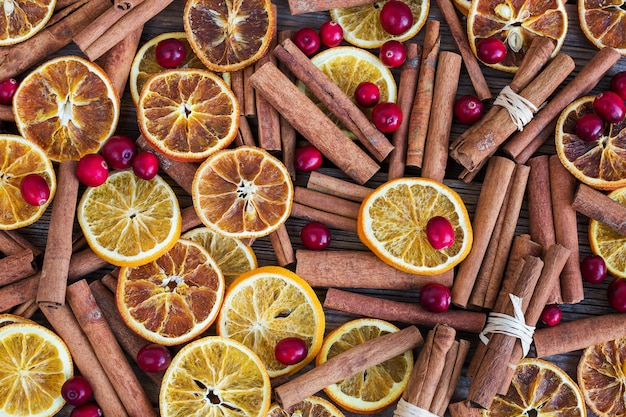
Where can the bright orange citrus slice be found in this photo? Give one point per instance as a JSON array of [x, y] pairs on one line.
[[68, 106], [243, 192], [309, 407], [21, 19], [226, 35], [600, 164], [603, 23], [608, 243], [187, 114], [516, 24], [18, 158]]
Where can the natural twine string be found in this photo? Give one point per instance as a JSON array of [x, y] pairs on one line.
[[510, 325], [520, 110], [406, 409]]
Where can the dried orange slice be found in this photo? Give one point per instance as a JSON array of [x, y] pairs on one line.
[[516, 24], [68, 106], [228, 36], [392, 223], [243, 192], [309, 407], [7, 318], [174, 298], [187, 114], [463, 6], [18, 158], [600, 164], [215, 376], [361, 24], [376, 388], [34, 364], [128, 221], [264, 306], [232, 256], [603, 23], [608, 243], [21, 19], [539, 388]]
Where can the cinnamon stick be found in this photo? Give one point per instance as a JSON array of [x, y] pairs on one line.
[[12, 243], [335, 221], [358, 269], [308, 6], [598, 206], [463, 409], [246, 133], [326, 202], [236, 84], [249, 104], [346, 364], [334, 99], [367, 306], [27, 309], [116, 62], [534, 144], [6, 113], [282, 246], [337, 187], [126, 4], [108, 351], [287, 132], [450, 377], [309, 120], [16, 267], [422, 103]]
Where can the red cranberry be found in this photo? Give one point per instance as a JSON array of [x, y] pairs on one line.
[[392, 54], [387, 116], [315, 236], [92, 170], [153, 358], [367, 94], [290, 351], [440, 233], [593, 269], [7, 90], [308, 158], [618, 84], [609, 106], [307, 40], [119, 151], [435, 297], [491, 50], [331, 34], [468, 109], [35, 190], [396, 17], [617, 294], [76, 390], [87, 410], [145, 165], [589, 127], [551, 315], [170, 53]]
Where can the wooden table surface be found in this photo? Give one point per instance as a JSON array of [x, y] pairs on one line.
[[576, 46]]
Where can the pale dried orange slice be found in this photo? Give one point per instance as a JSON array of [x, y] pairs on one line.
[[392, 223], [266, 305], [232, 256], [226, 35], [7, 318], [539, 388], [21, 19], [174, 298], [376, 388], [68, 106], [128, 221], [600, 164], [243, 192], [463, 6], [18, 158], [215, 376], [516, 24], [608, 243], [603, 23], [187, 114], [309, 407], [361, 24], [34, 364]]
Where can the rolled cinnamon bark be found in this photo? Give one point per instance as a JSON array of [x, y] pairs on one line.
[[282, 246], [12, 243], [337, 187], [268, 119], [287, 132], [308, 6], [15, 267], [116, 62], [598, 206], [335, 221], [326, 202]]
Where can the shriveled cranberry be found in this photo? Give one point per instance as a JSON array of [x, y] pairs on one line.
[[153, 358], [396, 17], [392, 53], [387, 116], [308, 158], [145, 165], [440, 233], [435, 297], [315, 236], [76, 390], [331, 34], [589, 127], [609, 106], [87, 410], [92, 170], [290, 351], [491, 50], [593, 269], [34, 189], [307, 40], [170, 53], [468, 109], [7, 90], [119, 151], [367, 94], [551, 315], [618, 84], [617, 294]]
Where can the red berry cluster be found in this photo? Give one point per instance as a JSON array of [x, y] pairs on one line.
[[309, 40]]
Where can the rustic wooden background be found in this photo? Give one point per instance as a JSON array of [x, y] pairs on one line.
[[576, 45]]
